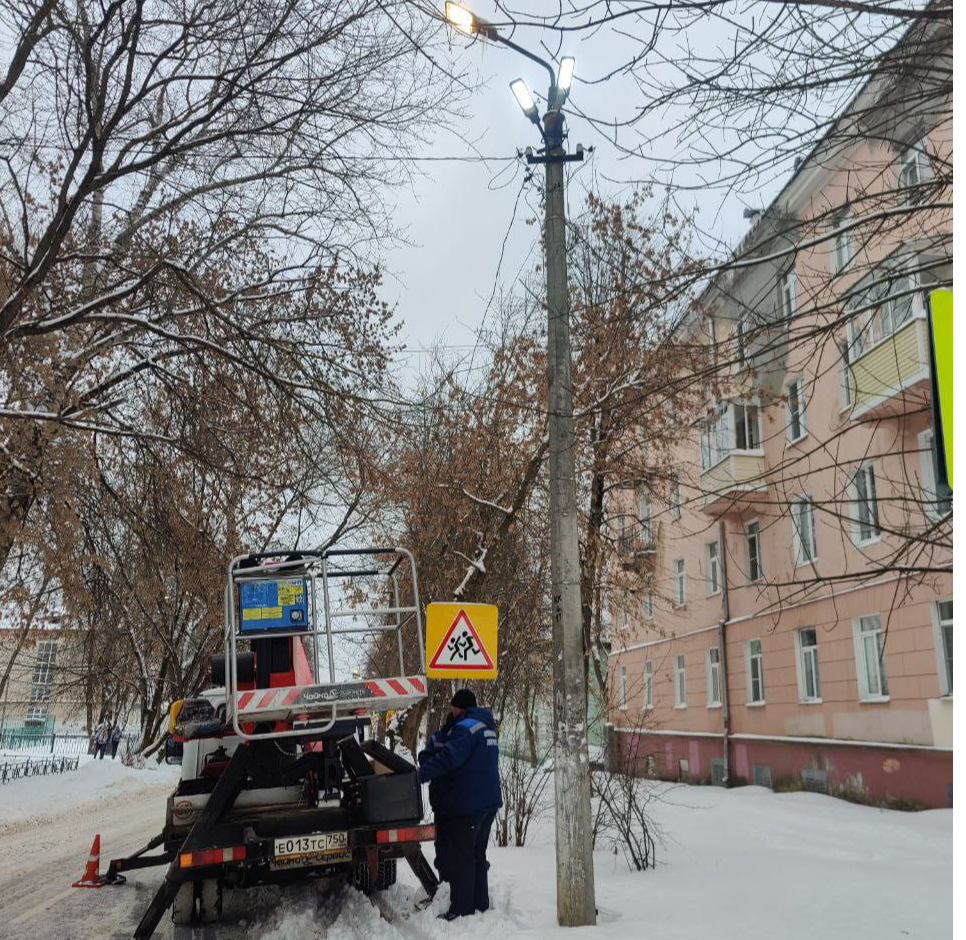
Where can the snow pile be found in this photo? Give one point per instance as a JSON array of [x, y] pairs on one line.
[[32, 801], [796, 866]]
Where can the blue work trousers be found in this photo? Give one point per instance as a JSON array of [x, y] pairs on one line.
[[461, 843]]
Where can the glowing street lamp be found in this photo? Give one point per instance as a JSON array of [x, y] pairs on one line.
[[527, 105]]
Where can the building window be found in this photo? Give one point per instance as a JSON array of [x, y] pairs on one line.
[[622, 691], [644, 519], [843, 248], [870, 658], [914, 170], [803, 518], [796, 410], [679, 586], [936, 505], [809, 686], [42, 681], [741, 338], [865, 506], [680, 689], [714, 677], [788, 294], [675, 499], [944, 623], [649, 605], [753, 540], [747, 431], [884, 306], [756, 675], [714, 583], [845, 375], [648, 684], [716, 437]]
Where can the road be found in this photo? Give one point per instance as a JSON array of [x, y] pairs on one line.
[[42, 856]]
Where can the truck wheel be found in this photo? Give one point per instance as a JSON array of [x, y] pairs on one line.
[[209, 901], [386, 877], [183, 908], [387, 874]]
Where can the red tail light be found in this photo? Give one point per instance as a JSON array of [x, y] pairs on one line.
[[408, 834], [211, 857]]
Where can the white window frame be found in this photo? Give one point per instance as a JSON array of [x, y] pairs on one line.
[[644, 519], [914, 169], [843, 242], [865, 507], [675, 498], [846, 391], [36, 714], [886, 305], [806, 656], [749, 420], [751, 658], [714, 568], [756, 536], [863, 628], [788, 294], [933, 506], [944, 662], [806, 528], [713, 668], [741, 338], [680, 683], [622, 688], [680, 583], [648, 684], [795, 392]]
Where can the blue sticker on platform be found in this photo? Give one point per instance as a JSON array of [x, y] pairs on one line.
[[273, 605]]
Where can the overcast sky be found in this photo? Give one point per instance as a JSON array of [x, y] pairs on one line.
[[458, 214]]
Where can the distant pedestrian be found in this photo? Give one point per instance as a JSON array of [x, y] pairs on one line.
[[102, 734], [115, 740], [461, 765]]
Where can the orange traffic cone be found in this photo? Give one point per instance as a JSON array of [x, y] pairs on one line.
[[92, 874]]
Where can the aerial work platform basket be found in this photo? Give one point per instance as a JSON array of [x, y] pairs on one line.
[[296, 609]]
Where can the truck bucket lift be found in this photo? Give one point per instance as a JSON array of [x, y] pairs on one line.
[[273, 597], [358, 805]]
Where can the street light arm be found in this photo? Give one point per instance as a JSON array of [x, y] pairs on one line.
[[493, 34]]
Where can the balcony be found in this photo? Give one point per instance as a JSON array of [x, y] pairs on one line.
[[735, 482], [892, 377], [634, 546]]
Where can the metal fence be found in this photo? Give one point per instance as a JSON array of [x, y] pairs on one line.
[[36, 767], [61, 745]]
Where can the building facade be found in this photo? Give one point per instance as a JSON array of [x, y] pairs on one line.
[[787, 610]]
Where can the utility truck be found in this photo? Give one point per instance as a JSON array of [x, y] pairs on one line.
[[281, 777]]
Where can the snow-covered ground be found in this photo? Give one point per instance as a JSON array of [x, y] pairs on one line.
[[734, 864]]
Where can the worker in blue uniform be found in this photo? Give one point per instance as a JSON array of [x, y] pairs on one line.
[[461, 765]]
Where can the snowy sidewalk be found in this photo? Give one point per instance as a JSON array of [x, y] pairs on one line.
[[734, 863]]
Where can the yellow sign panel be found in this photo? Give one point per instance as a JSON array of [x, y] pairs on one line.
[[290, 592], [941, 321], [461, 641]]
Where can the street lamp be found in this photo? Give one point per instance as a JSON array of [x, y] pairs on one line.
[[571, 767]]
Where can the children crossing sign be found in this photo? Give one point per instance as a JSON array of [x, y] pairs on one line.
[[461, 641]]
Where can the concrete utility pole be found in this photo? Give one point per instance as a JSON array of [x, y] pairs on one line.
[[571, 765], [576, 906]]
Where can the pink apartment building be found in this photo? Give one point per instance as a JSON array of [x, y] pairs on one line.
[[787, 605]]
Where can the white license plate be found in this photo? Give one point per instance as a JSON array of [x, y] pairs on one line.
[[316, 848]]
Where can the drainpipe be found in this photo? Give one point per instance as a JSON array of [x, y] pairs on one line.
[[722, 623]]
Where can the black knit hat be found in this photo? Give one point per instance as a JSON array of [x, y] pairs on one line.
[[463, 698]]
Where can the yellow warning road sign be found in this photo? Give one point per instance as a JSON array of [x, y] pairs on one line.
[[461, 641]]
